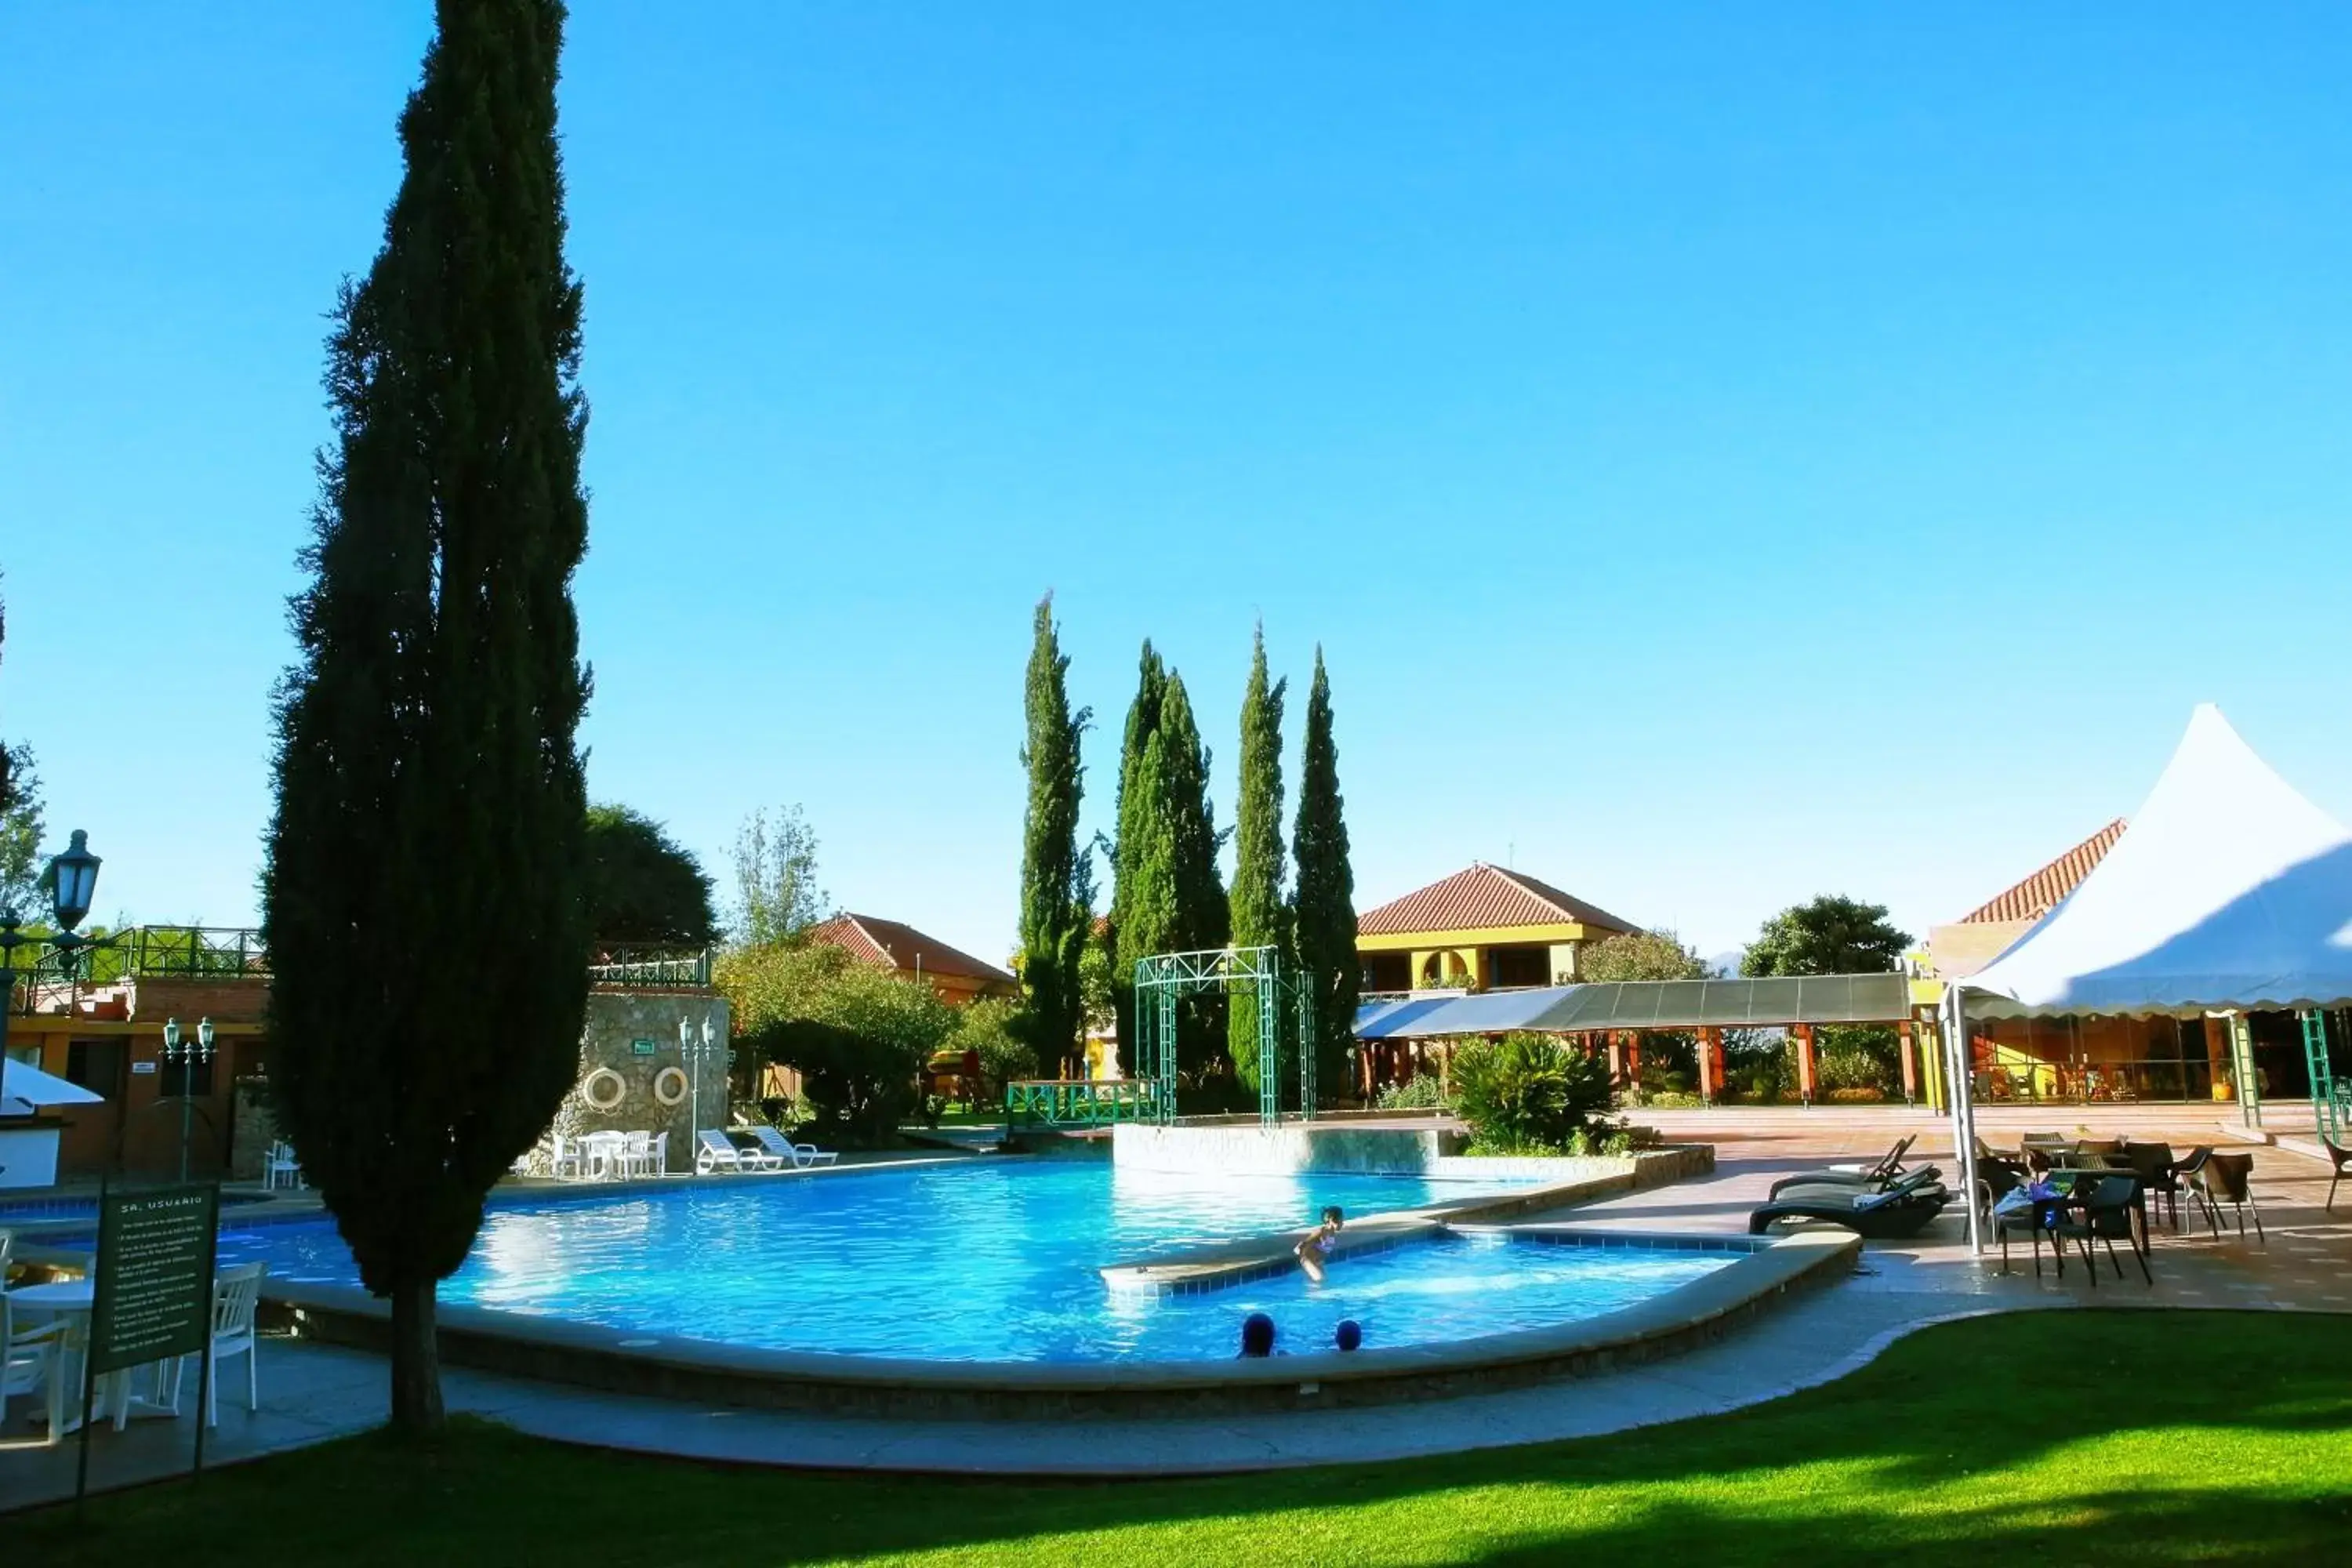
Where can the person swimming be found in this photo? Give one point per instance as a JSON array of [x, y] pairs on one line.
[[1258, 1337], [1349, 1335], [1316, 1251]]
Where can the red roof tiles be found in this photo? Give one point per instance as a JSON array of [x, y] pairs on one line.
[[2041, 892], [891, 944], [1482, 897]]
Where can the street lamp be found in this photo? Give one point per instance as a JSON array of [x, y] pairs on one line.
[[199, 1049], [694, 1044], [72, 881]]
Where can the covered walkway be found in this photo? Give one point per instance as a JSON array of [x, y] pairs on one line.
[[1612, 1016]]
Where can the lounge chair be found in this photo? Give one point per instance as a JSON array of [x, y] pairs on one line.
[[801, 1155], [1880, 1170], [1850, 1181], [1881, 1216], [713, 1152]]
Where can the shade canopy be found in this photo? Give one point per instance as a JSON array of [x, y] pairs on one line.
[[2229, 890], [29, 1086], [1647, 1004]]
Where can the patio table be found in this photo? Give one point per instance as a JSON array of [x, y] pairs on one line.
[[71, 1301]]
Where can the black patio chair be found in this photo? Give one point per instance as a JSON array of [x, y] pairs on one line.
[[2104, 1213], [2157, 1172], [2229, 1179], [2340, 1159]]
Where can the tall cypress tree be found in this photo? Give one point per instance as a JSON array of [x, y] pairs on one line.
[[423, 896], [1055, 922], [1326, 900], [1131, 849], [1259, 917], [1202, 919]]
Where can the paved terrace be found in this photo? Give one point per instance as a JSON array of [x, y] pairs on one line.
[[313, 1393]]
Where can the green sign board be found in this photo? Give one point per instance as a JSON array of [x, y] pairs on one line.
[[153, 1299], [643, 1047]]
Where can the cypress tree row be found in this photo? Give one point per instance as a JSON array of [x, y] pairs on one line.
[[423, 894], [1192, 841], [1259, 917], [1132, 849], [1056, 892], [1326, 899]]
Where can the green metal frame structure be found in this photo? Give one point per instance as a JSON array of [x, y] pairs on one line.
[[2331, 1101], [1163, 979], [1079, 1102]]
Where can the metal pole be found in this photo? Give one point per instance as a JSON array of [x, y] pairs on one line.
[[1962, 1089]]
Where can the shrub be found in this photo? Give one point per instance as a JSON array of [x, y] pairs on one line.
[[1526, 1093], [857, 1086], [1425, 1092], [991, 1027], [1864, 1094]]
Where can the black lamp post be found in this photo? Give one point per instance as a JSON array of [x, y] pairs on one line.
[[72, 881], [199, 1049]]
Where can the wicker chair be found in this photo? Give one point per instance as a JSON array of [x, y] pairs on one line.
[[2106, 1215]]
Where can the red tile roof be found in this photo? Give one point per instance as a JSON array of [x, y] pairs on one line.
[[2040, 893], [891, 944], [1481, 897]]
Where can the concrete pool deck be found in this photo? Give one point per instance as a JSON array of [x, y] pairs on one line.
[[312, 1393]]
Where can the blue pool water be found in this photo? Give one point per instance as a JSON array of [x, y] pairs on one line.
[[994, 1263]]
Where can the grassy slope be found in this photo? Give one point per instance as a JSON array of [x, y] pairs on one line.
[[2126, 1437]]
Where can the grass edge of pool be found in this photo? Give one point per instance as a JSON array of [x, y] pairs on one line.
[[2082, 1436]]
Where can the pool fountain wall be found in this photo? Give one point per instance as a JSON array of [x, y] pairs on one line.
[[1296, 1148]]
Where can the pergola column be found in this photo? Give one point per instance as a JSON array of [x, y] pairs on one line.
[[1634, 1059], [1907, 1055], [1710, 1063], [1616, 1059], [1805, 1077]]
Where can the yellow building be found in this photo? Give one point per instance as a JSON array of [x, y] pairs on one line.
[[1479, 930]]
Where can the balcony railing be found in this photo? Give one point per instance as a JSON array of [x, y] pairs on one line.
[[237, 953]]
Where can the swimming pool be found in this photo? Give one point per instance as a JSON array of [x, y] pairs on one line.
[[993, 1262]]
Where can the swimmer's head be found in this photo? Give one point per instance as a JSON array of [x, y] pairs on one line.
[[1349, 1335], [1331, 1215], [1257, 1335]]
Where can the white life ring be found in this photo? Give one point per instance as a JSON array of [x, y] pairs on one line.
[[670, 1086], [594, 1090]]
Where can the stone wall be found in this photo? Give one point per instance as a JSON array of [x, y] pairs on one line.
[[617, 1021]]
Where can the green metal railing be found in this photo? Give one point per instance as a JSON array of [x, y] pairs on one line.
[[651, 968], [45, 969], [1079, 1102]]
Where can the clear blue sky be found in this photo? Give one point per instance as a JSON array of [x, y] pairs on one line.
[[1727, 454]]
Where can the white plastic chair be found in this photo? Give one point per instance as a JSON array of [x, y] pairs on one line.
[[565, 1157], [637, 1154], [282, 1166], [236, 1297], [32, 1362], [657, 1162], [801, 1155]]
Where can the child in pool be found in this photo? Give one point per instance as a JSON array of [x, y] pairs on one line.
[[1315, 1252]]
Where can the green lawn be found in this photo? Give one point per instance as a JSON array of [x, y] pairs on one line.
[[2046, 1437]]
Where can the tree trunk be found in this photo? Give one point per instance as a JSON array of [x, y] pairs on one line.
[[416, 1360]]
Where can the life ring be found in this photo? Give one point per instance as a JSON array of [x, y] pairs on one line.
[[670, 1086], [594, 1089]]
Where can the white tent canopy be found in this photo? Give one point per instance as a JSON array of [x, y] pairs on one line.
[[27, 1086], [2229, 891]]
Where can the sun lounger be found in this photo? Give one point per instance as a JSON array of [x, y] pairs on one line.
[[1881, 1170], [1881, 1217], [1848, 1182], [801, 1155], [713, 1152]]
